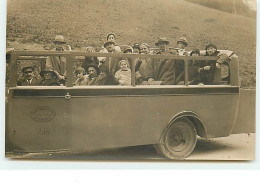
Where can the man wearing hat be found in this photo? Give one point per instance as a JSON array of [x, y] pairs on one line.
[[28, 78], [58, 63], [164, 69], [110, 37], [181, 45], [111, 63], [179, 64]]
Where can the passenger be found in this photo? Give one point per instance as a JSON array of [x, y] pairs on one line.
[[110, 37], [181, 45], [93, 73], [89, 59], [179, 64], [111, 63], [104, 77], [49, 78], [82, 78], [136, 48], [123, 75], [164, 69], [144, 67], [28, 77], [210, 74], [193, 70], [58, 63], [128, 49]]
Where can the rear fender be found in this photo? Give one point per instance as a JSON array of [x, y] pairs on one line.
[[195, 118]]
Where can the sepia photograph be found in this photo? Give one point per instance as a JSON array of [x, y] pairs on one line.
[[130, 80]]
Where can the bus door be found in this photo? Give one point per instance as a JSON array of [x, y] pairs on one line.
[[39, 116]]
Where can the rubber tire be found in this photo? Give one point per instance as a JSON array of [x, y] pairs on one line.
[[185, 132]]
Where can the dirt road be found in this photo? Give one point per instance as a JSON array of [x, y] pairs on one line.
[[234, 147]]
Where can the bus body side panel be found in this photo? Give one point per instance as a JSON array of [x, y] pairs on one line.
[[38, 123], [115, 121]]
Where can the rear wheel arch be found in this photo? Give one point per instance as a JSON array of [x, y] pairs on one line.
[[178, 139], [195, 119]]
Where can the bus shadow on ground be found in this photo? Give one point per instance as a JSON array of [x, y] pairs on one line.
[[210, 146], [204, 147]]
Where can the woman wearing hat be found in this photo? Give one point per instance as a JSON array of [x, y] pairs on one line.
[[104, 77], [193, 68], [211, 72], [49, 78], [81, 77]]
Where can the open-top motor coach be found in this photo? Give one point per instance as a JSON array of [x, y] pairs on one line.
[[80, 118]]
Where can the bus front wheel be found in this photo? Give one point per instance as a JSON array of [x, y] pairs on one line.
[[179, 139]]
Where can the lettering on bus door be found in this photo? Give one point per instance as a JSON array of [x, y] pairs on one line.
[[41, 118]]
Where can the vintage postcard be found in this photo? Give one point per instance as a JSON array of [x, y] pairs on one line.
[[126, 80]]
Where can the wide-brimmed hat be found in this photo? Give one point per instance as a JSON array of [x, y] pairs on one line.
[[195, 51], [162, 40], [60, 39], [109, 42], [103, 67], [183, 40], [46, 71], [211, 45]]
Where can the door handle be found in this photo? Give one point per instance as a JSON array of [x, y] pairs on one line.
[[67, 96]]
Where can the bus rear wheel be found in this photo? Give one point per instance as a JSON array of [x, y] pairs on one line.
[[179, 139]]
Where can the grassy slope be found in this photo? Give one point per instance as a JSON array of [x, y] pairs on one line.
[[86, 22]]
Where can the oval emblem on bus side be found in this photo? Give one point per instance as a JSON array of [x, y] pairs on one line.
[[43, 114]]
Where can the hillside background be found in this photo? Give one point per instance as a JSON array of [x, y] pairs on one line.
[[33, 24]]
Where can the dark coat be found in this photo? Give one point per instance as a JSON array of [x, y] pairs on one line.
[[24, 82], [50, 82], [57, 64], [112, 64], [164, 70], [108, 80], [193, 73]]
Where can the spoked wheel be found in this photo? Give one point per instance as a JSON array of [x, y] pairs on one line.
[[179, 139]]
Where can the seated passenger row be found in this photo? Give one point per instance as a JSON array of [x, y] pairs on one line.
[[115, 71]]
